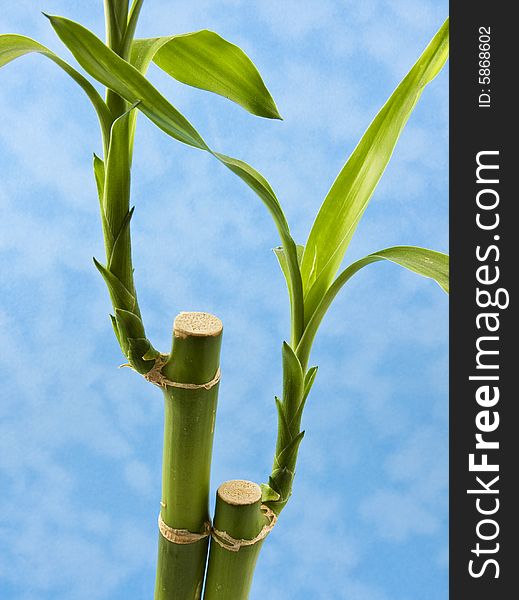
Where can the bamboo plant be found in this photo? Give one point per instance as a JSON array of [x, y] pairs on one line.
[[189, 374]]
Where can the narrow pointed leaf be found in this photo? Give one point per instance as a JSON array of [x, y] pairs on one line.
[[151, 354], [120, 261], [129, 326], [289, 454], [272, 484], [283, 263], [284, 436], [263, 189], [122, 77], [309, 381], [290, 264], [428, 263], [116, 330], [293, 384], [144, 49], [281, 480], [261, 186], [116, 195], [99, 175], [205, 60], [268, 494], [121, 297], [129, 34], [137, 349], [13, 46], [142, 52], [117, 14], [349, 195], [114, 72]]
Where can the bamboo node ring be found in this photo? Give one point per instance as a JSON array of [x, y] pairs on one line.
[[155, 376], [227, 542], [183, 536]]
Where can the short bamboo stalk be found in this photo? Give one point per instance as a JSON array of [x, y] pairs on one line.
[[188, 441], [238, 518]]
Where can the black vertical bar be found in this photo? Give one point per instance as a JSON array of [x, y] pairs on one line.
[[483, 124]]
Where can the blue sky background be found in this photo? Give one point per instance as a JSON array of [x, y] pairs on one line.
[[80, 440]]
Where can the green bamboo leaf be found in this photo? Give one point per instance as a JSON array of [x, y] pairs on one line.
[[309, 381], [111, 70], [293, 386], [13, 46], [129, 34], [116, 192], [141, 54], [122, 77], [349, 195], [114, 72], [281, 480], [120, 262], [121, 297], [295, 420], [288, 456], [138, 348], [99, 175], [295, 423], [290, 267], [143, 50], [115, 328], [260, 185], [428, 263], [151, 354], [268, 494], [205, 60], [284, 436], [129, 326], [117, 15], [283, 261], [114, 163], [272, 484]]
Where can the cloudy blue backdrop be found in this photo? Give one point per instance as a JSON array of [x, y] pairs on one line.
[[80, 440]]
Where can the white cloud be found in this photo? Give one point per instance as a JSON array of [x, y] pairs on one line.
[[397, 516]]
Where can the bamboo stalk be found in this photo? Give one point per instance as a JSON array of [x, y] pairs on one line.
[[238, 515], [188, 442]]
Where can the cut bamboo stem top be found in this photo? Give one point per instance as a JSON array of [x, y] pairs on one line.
[[239, 492], [197, 324]]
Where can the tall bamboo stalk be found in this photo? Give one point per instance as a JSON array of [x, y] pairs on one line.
[[189, 412], [188, 441]]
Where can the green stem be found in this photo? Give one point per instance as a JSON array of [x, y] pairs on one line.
[[188, 441], [116, 18], [238, 514], [113, 177]]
